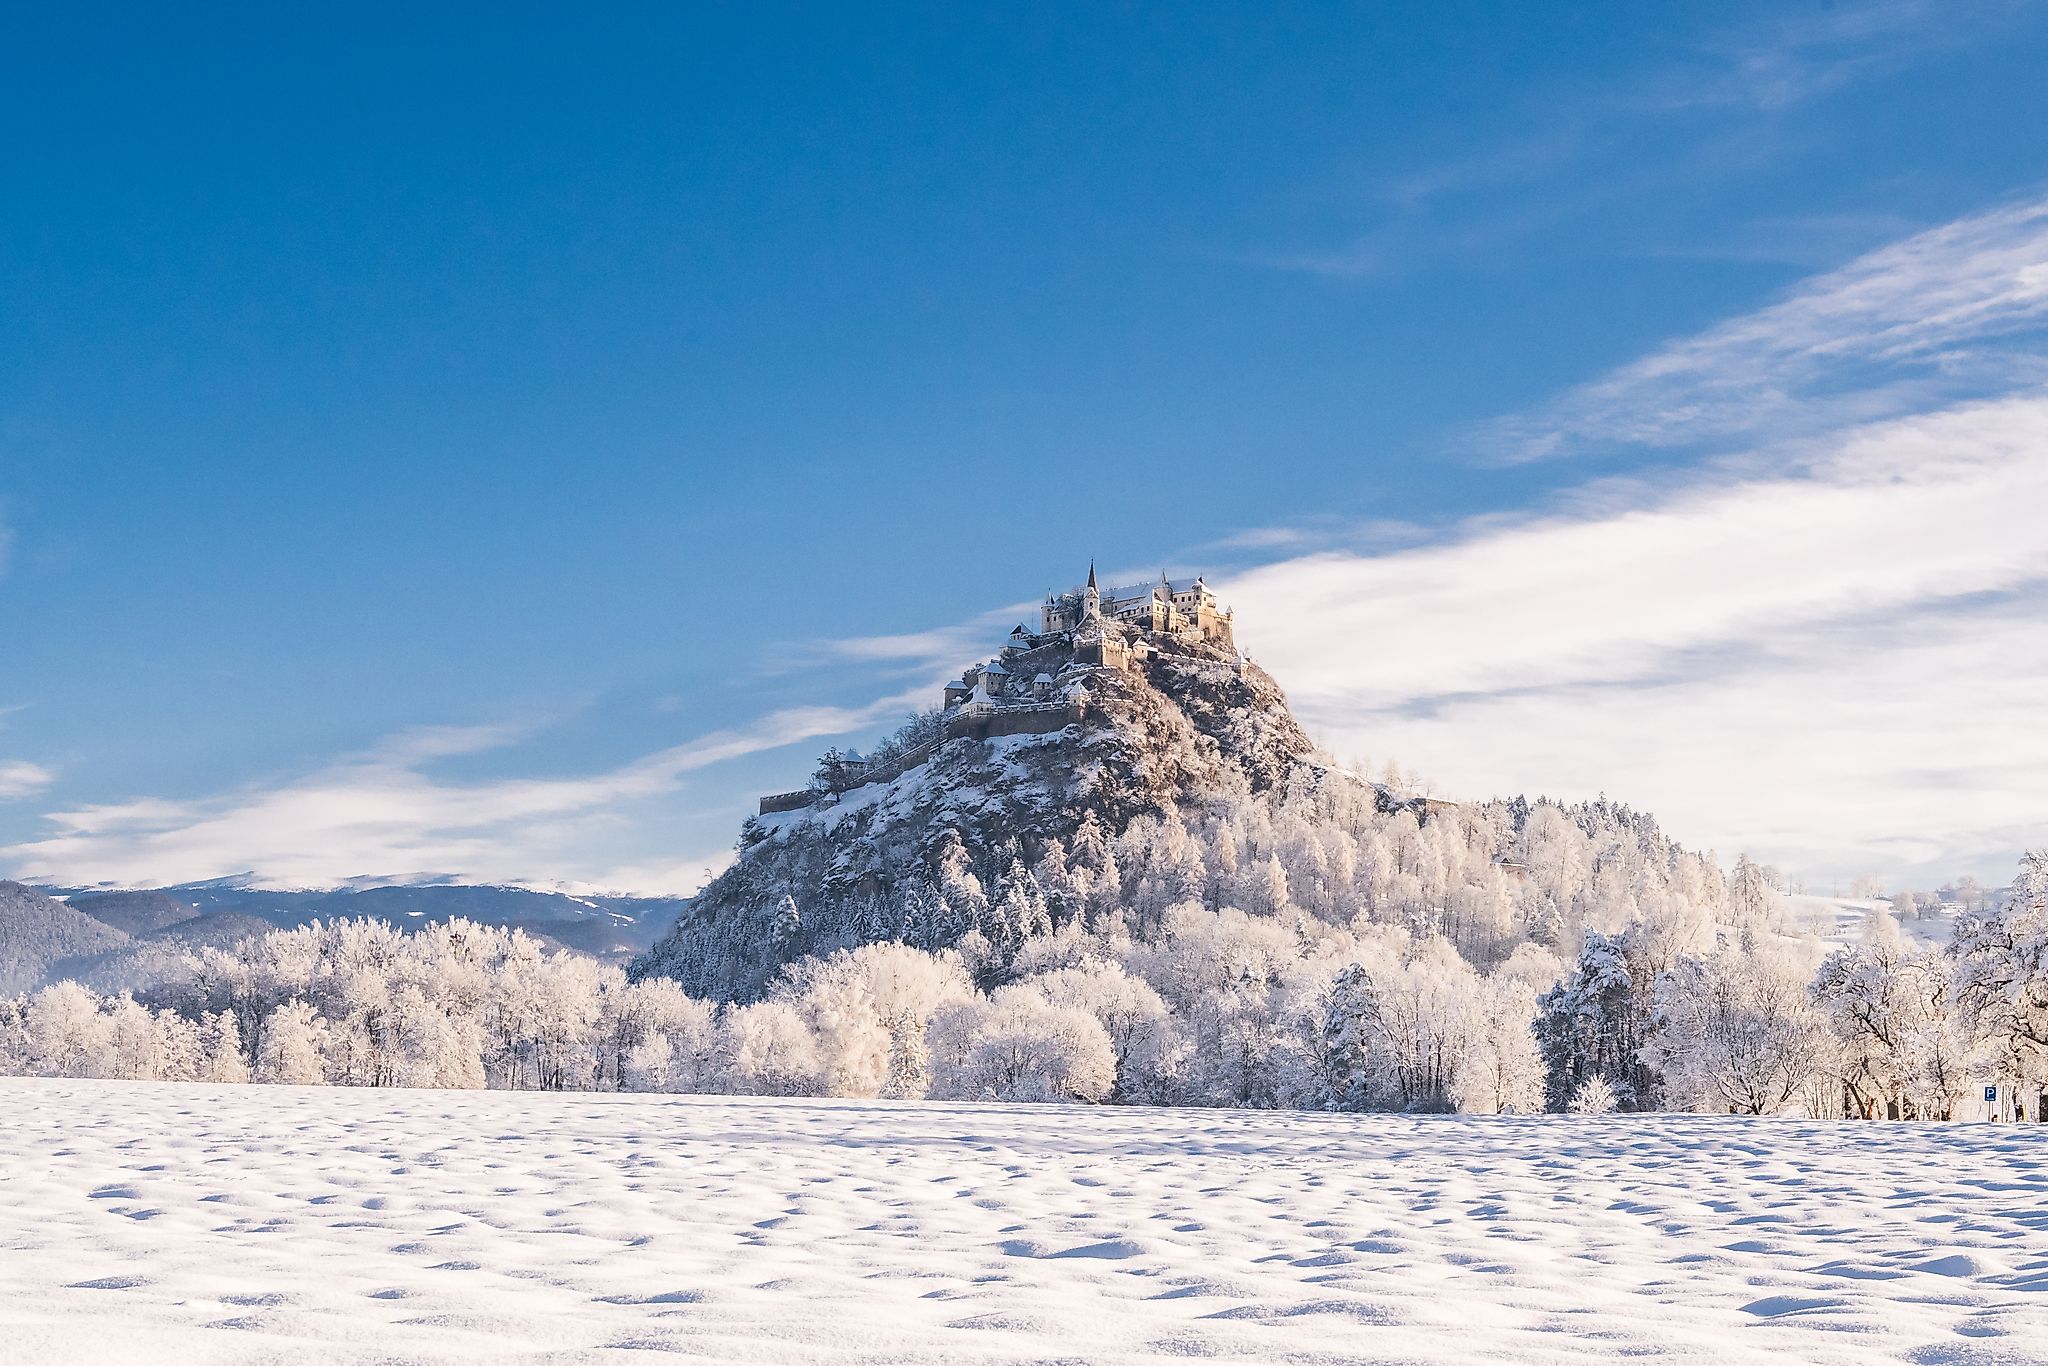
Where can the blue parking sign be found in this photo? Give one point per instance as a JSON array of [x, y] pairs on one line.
[[1990, 1095]]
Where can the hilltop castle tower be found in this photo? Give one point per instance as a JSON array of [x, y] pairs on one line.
[[1172, 606]]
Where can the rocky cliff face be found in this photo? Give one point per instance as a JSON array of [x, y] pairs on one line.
[[928, 855]]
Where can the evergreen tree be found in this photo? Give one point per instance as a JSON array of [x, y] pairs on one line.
[[1351, 1027], [1595, 1022]]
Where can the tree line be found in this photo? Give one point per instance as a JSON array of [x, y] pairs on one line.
[[1698, 1000]]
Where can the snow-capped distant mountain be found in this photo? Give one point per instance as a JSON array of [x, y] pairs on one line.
[[130, 939]]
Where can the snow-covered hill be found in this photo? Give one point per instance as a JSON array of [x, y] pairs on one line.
[[1190, 723], [169, 1223], [38, 932]]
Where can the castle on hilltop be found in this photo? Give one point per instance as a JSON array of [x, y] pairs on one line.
[[1098, 629], [1024, 689]]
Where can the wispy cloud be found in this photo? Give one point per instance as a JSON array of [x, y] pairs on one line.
[[1315, 534], [939, 648], [1955, 312], [419, 744], [19, 778], [1795, 57], [1717, 110], [1915, 511], [385, 812]]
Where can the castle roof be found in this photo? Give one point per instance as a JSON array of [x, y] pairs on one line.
[[1130, 592], [1124, 596]]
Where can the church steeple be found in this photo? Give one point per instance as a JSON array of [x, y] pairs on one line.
[[1091, 573]]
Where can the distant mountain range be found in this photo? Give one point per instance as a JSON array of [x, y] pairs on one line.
[[116, 940]]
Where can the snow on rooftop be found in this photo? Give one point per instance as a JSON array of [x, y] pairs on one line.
[[1137, 592]]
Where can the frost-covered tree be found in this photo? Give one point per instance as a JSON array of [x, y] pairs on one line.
[[1942, 1054], [1555, 851], [1501, 1071], [294, 1046], [1015, 1045], [1736, 1031], [953, 875], [1272, 893], [1016, 913], [14, 1045], [1148, 1054], [220, 1049], [1425, 1024], [2000, 982], [1871, 1010], [766, 1049], [1593, 1096], [1753, 901], [68, 1036], [142, 1046], [1063, 897], [850, 1043]]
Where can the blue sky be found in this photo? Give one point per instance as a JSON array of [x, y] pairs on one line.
[[466, 442]]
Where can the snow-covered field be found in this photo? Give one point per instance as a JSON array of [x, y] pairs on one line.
[[1838, 921], [156, 1222]]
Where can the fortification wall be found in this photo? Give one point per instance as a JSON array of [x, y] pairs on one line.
[[1038, 720]]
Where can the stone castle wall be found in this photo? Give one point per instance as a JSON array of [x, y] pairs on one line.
[[1034, 720]]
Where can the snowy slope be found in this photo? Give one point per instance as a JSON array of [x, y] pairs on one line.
[[37, 931], [146, 1222], [1839, 921]]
